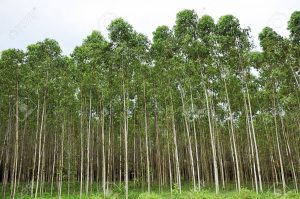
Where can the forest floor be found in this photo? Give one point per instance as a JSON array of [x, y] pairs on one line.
[[118, 193]]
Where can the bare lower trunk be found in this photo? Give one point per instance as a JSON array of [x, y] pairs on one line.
[[40, 146], [35, 147], [237, 166], [16, 150], [189, 139], [278, 146], [81, 149], [88, 148], [213, 145], [125, 140], [146, 141], [53, 165], [103, 154], [175, 145], [61, 161], [254, 141]]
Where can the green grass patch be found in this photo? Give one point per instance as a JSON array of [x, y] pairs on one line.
[[117, 191]]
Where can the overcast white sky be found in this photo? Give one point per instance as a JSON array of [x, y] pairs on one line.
[[24, 22]]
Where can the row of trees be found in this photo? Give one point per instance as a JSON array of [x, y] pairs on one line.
[[196, 105]]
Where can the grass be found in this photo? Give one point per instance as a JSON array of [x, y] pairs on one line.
[[117, 192]]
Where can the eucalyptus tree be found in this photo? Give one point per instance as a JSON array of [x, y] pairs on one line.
[[91, 60], [162, 53], [141, 77], [42, 59], [281, 80], [128, 49], [63, 112], [294, 48], [186, 35], [294, 59], [61, 106], [206, 32], [12, 66], [231, 58], [272, 73], [293, 27]]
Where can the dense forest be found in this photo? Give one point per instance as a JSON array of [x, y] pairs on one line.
[[197, 106]]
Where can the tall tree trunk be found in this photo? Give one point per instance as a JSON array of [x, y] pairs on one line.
[[146, 140], [254, 141], [196, 144], [175, 145], [40, 146], [16, 150], [7, 151], [88, 146], [81, 147], [278, 145], [35, 145], [169, 162], [250, 135], [188, 138], [61, 161], [237, 166], [109, 167], [53, 165], [289, 153], [103, 153], [213, 144], [125, 139]]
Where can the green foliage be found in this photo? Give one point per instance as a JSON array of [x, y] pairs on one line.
[[149, 196], [294, 27]]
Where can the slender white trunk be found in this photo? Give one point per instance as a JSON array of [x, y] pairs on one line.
[[146, 140], [35, 146], [233, 141], [81, 148], [278, 146], [125, 140], [175, 145], [40, 146], [254, 141], [88, 147], [103, 154], [196, 144], [61, 163], [16, 154], [188, 138], [290, 155], [213, 145], [53, 165], [252, 151], [170, 165]]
